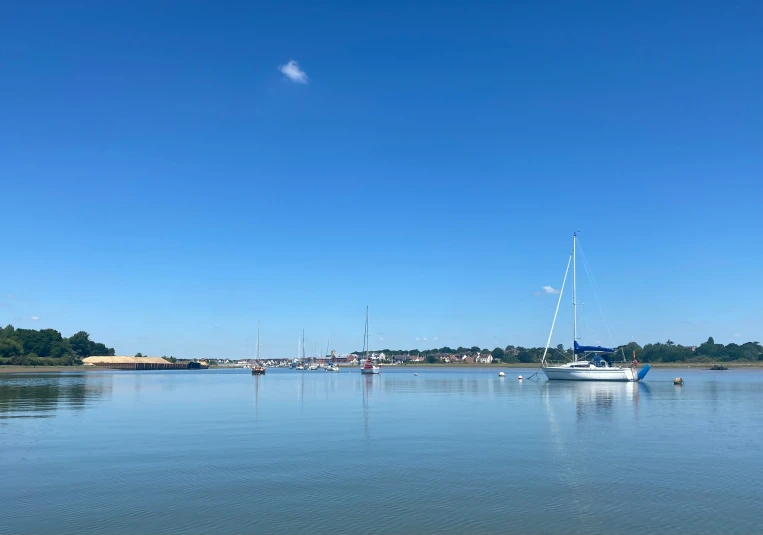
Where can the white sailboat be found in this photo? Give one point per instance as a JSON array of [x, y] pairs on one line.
[[368, 366], [591, 367]]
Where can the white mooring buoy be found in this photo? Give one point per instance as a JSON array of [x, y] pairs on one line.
[[416, 374], [501, 374], [520, 377], [678, 381]]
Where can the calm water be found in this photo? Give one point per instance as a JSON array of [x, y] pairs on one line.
[[449, 451]]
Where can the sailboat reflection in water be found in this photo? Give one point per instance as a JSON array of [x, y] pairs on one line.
[[367, 384], [257, 379]]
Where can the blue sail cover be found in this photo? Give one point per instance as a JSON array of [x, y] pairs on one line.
[[592, 349]]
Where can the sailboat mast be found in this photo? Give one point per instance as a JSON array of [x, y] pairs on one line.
[[303, 344], [574, 302], [258, 340], [366, 332]]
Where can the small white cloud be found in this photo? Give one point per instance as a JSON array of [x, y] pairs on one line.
[[737, 335], [34, 318], [424, 338], [292, 71], [436, 338], [550, 290], [381, 338]]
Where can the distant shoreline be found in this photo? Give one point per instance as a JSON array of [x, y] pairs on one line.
[[497, 367]]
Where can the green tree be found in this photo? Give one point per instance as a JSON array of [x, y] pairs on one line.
[[498, 353], [10, 347], [525, 357], [138, 354], [431, 358], [7, 331], [710, 348], [509, 356], [751, 351], [80, 343], [99, 349], [39, 342], [61, 349], [475, 349], [47, 346]]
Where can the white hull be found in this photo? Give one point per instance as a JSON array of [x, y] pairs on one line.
[[369, 371], [566, 373]]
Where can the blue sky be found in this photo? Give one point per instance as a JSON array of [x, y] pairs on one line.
[[165, 184]]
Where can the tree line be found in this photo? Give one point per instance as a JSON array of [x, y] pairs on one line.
[[669, 351], [708, 351], [47, 347]]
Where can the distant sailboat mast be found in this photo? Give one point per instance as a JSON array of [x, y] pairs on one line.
[[368, 367], [366, 344], [258, 368], [574, 303], [258, 340]]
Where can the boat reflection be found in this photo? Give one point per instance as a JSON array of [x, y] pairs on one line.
[[596, 398], [257, 379], [368, 381]]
